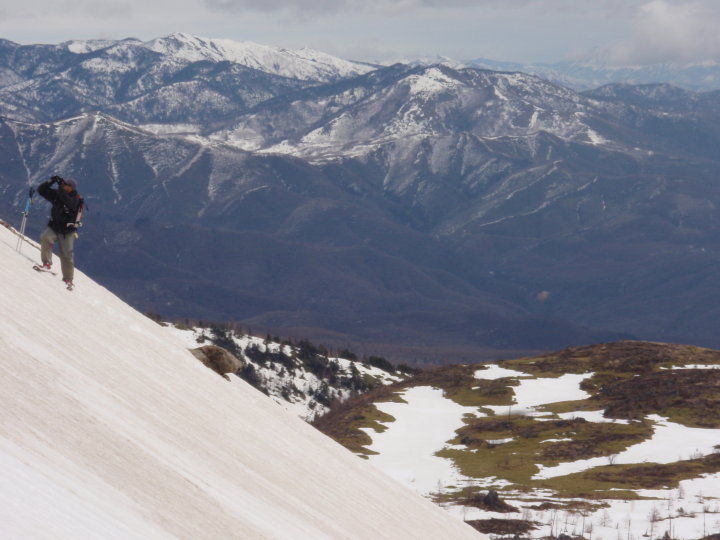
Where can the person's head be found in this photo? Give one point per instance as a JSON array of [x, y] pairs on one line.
[[69, 185]]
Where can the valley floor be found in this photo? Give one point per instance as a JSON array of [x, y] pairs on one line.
[[424, 425]]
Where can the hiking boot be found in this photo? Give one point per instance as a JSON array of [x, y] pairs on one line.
[[69, 284], [46, 266]]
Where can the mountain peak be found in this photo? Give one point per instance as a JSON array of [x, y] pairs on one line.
[[303, 64], [432, 79], [185, 46]]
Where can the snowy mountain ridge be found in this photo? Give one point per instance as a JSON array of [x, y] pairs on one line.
[[309, 64], [159, 81], [184, 49], [426, 104], [303, 64], [116, 431]]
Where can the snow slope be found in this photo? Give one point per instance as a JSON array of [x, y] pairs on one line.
[[112, 429]]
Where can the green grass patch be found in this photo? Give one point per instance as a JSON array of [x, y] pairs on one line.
[[353, 437], [618, 481], [562, 407], [517, 460], [345, 421], [592, 439], [688, 397], [488, 463]]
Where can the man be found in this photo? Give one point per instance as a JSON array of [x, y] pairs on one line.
[[62, 228]]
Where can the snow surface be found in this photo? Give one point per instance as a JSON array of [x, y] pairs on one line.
[[493, 372], [689, 512], [112, 429], [591, 416], [406, 451], [695, 366], [535, 392], [670, 442]]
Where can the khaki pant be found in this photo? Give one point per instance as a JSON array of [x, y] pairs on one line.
[[66, 243]]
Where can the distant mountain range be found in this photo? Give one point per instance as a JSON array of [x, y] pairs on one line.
[[423, 211], [179, 78], [703, 76]]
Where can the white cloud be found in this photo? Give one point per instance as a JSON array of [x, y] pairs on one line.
[[593, 7], [42, 9], [626, 31], [297, 7], [54, 21], [670, 31]]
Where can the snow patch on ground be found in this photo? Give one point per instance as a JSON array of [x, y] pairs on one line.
[[591, 416], [493, 372], [691, 511], [671, 442], [695, 366], [535, 392], [422, 425]]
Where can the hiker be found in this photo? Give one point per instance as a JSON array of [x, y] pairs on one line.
[[62, 228]]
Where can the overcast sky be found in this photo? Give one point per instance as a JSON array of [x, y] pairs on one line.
[[620, 32]]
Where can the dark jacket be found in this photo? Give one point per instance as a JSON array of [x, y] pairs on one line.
[[65, 207]]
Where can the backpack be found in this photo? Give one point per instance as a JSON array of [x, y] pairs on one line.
[[72, 221]]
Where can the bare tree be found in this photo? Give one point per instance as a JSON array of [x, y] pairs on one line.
[[654, 518], [553, 519], [527, 514], [605, 519], [589, 529]]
